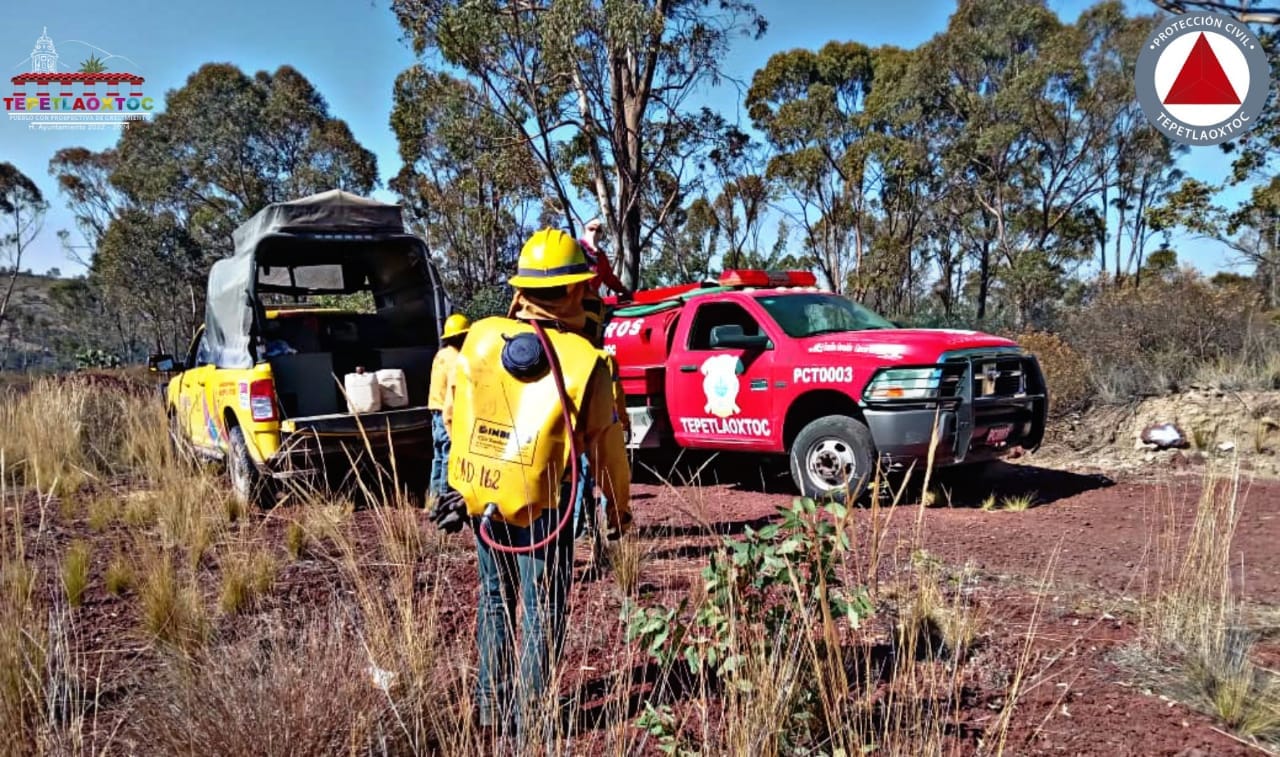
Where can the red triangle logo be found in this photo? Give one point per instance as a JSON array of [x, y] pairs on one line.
[[1202, 80]]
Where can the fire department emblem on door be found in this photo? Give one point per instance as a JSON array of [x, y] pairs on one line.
[[720, 385]]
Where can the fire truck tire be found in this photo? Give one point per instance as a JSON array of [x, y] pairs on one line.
[[833, 458], [248, 484]]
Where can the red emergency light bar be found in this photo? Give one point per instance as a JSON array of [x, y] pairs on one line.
[[753, 277]]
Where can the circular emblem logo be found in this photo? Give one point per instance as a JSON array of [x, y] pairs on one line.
[[1202, 78]]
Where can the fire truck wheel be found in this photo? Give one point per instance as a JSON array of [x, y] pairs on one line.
[[833, 458], [248, 484]]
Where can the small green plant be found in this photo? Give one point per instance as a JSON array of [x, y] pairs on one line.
[[1019, 502], [988, 504], [751, 587], [660, 723], [119, 576], [295, 540], [75, 572]]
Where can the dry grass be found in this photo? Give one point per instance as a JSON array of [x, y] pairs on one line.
[[24, 633], [286, 693], [246, 576], [172, 610], [626, 559], [400, 531], [386, 666], [75, 572], [102, 511], [1193, 622]]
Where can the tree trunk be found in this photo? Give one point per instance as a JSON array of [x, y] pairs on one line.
[[984, 278]]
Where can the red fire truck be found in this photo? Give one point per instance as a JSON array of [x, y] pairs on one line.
[[766, 362]]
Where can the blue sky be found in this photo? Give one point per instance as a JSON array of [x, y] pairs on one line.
[[352, 51]]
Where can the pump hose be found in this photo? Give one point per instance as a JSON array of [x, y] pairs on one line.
[[574, 455]]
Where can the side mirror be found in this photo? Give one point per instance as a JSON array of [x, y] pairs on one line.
[[162, 364], [731, 335]]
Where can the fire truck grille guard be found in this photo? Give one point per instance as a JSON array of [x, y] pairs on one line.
[[983, 402]]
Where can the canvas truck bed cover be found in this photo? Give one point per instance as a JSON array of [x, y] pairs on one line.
[[233, 281]]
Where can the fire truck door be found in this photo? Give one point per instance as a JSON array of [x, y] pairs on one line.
[[718, 383]]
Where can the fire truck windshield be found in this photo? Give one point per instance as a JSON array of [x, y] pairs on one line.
[[804, 315]]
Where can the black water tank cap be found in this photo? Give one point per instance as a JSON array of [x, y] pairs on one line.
[[523, 356]]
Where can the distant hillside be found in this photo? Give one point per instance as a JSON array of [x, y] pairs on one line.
[[34, 329]]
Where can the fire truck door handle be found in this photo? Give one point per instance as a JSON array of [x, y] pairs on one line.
[[688, 368]]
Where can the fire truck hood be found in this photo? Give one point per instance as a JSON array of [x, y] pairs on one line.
[[902, 345]]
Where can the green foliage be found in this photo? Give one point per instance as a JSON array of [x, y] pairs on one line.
[[356, 302], [469, 183], [756, 588], [491, 300], [95, 358], [596, 91], [92, 65]]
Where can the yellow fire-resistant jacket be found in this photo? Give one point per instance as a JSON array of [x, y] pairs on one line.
[[441, 371], [509, 443]]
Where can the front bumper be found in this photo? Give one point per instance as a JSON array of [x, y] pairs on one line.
[[984, 420]]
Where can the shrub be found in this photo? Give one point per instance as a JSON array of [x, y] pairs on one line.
[[1065, 371], [1150, 339]]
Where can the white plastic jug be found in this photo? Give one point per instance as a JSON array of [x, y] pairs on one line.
[[363, 393], [393, 387]]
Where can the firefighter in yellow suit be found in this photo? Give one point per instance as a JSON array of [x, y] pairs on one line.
[[512, 471], [451, 338]]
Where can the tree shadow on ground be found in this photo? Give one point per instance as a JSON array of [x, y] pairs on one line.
[[972, 486]]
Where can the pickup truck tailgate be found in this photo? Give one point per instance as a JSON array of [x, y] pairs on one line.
[[377, 424]]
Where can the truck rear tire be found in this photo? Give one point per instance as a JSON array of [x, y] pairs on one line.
[[247, 482], [833, 457]]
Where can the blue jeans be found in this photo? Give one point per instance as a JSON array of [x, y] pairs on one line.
[[440, 454], [513, 677]]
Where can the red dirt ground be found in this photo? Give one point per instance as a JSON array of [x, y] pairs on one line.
[[1087, 543]]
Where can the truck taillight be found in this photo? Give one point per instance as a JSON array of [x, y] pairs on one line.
[[262, 400], [753, 277]]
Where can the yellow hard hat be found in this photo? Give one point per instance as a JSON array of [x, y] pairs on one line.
[[551, 258], [455, 325]]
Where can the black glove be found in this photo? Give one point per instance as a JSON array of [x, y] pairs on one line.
[[614, 531], [449, 512]]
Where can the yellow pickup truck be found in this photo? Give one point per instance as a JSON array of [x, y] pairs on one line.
[[261, 385]]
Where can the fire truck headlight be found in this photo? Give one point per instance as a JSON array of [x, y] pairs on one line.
[[904, 384]]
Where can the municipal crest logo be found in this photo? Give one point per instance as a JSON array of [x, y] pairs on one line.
[[720, 385], [1202, 78]]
